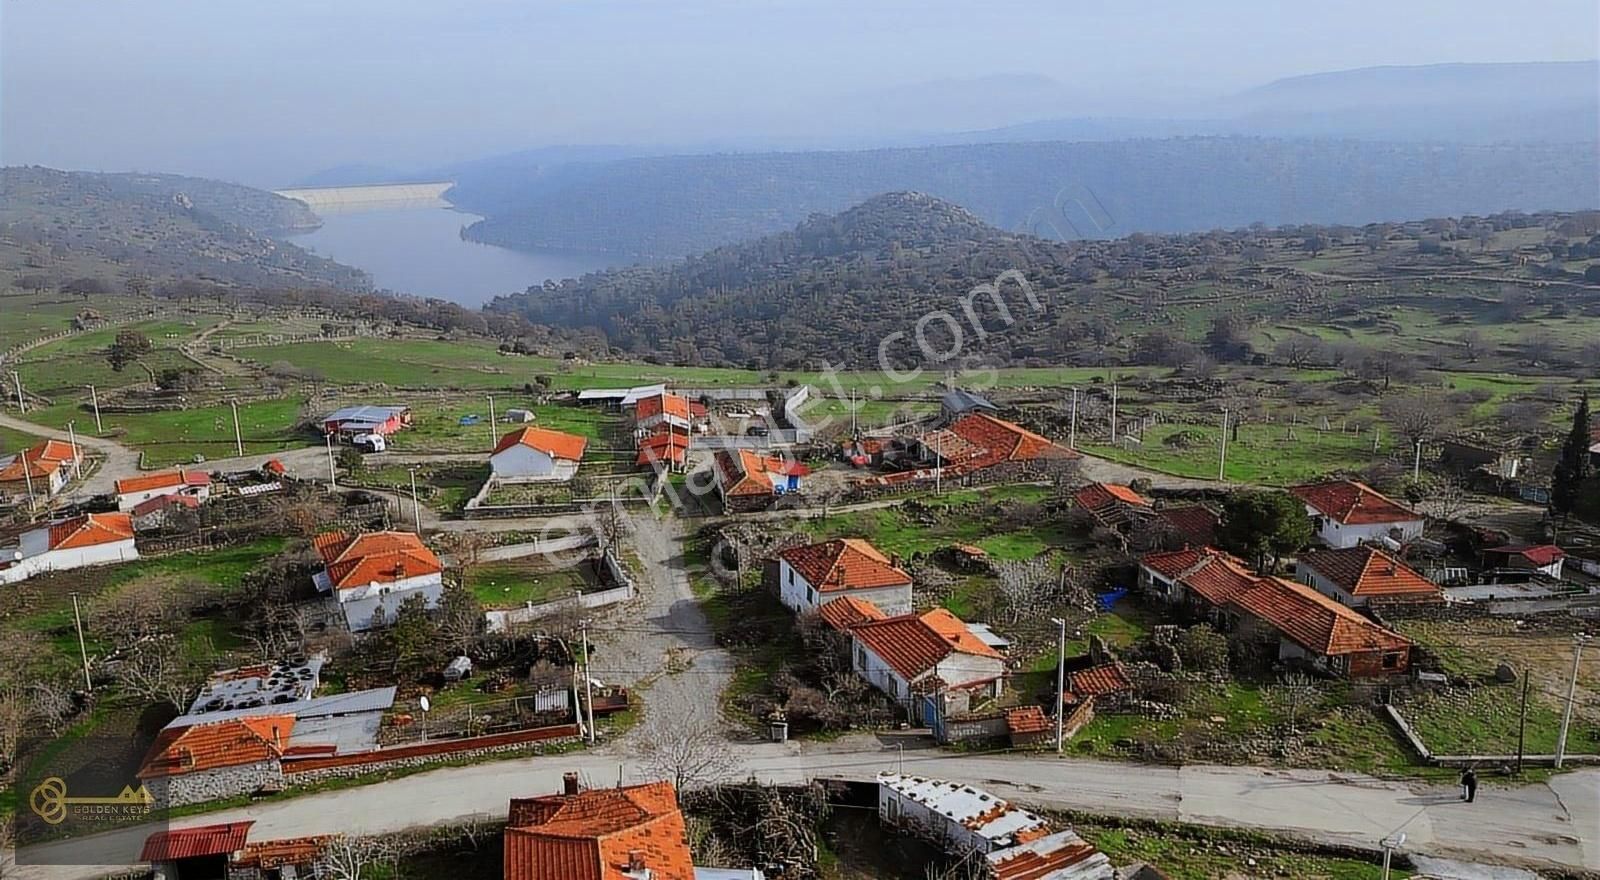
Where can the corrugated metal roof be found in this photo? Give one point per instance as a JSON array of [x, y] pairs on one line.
[[194, 843], [374, 700], [980, 812]]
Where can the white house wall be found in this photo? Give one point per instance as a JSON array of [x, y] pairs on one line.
[[1315, 581], [129, 501], [64, 560], [361, 604], [1340, 535], [526, 463], [795, 592]]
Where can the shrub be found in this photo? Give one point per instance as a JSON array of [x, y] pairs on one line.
[[1203, 648]]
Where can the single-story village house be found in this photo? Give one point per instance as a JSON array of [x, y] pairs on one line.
[[977, 440], [353, 421], [914, 655], [158, 512], [377, 572], [629, 832], [1546, 559], [40, 471], [529, 455], [1113, 506], [815, 575], [1303, 624], [749, 481], [84, 540], [1357, 576], [134, 491], [1346, 513]]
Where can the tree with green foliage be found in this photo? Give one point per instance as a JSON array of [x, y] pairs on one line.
[[130, 345], [1573, 470], [1264, 526], [351, 460], [412, 639]]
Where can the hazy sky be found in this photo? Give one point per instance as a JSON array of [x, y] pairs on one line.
[[265, 92]]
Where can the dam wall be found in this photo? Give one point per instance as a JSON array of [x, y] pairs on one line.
[[341, 199]]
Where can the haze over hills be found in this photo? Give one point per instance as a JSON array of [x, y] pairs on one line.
[[157, 226], [667, 206]]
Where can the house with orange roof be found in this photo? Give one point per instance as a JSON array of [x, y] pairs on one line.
[[978, 440], [632, 832], [748, 481], [1202, 579], [134, 491], [84, 540], [531, 455], [812, 576], [1312, 628], [218, 759], [1357, 576], [664, 450], [1113, 506], [373, 573], [912, 654], [40, 471], [1348, 512], [663, 411]]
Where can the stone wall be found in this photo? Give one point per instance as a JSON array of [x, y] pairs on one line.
[[226, 782], [414, 758]]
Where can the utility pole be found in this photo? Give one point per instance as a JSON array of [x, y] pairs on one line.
[[77, 457], [95, 399], [416, 508], [333, 477], [1522, 723], [588, 680], [938, 467], [1572, 690], [492, 433], [1072, 433], [1416, 465], [852, 414], [83, 653], [1061, 680], [1390, 844], [27, 477], [22, 402], [1113, 413], [238, 439], [1222, 460]]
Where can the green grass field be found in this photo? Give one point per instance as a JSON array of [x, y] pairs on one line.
[[891, 530], [514, 583], [1262, 453], [177, 437]]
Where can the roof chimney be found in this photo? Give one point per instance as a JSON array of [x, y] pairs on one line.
[[636, 862], [569, 784]]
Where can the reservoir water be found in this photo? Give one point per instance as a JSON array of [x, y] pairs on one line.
[[418, 249]]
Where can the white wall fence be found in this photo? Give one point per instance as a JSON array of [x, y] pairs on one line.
[[498, 621]]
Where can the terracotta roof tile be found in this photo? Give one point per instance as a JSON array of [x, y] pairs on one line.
[[51, 450], [193, 843], [955, 631], [1001, 441], [556, 444], [38, 469], [738, 468], [1313, 621], [270, 855], [1099, 495], [589, 836], [1538, 554], [90, 530], [1209, 573], [1352, 503], [665, 403], [163, 480], [1195, 523], [1026, 719], [848, 611], [844, 564], [151, 505], [1369, 572], [1107, 678], [913, 645], [230, 743], [381, 557]]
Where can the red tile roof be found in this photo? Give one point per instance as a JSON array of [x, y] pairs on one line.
[[269, 855], [1538, 554], [1195, 523], [38, 469], [912, 645], [1001, 441], [381, 557], [52, 450], [663, 446], [1370, 572], [556, 444], [163, 480], [1107, 678], [736, 468], [844, 564], [1352, 503], [848, 611], [1315, 622], [218, 744], [90, 530], [1207, 572], [590, 835], [665, 403], [1026, 719], [1096, 496], [193, 843], [151, 505]]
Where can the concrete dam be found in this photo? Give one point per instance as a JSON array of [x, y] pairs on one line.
[[370, 197]]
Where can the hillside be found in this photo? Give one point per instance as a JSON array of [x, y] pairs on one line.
[[838, 288], [61, 225], [657, 207]]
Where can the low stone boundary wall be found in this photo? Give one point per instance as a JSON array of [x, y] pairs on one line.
[[1414, 740], [301, 770]]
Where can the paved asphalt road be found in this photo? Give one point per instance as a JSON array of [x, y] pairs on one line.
[[1549, 824]]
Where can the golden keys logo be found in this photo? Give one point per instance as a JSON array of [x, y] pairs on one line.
[[50, 801]]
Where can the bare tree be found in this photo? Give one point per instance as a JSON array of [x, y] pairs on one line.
[[1025, 586], [1421, 416], [1298, 689], [1471, 345], [688, 750], [157, 671], [351, 858], [1299, 351]]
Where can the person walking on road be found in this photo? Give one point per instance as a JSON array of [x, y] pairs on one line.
[[1469, 785]]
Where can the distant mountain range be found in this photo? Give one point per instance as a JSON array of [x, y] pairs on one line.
[[667, 206]]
